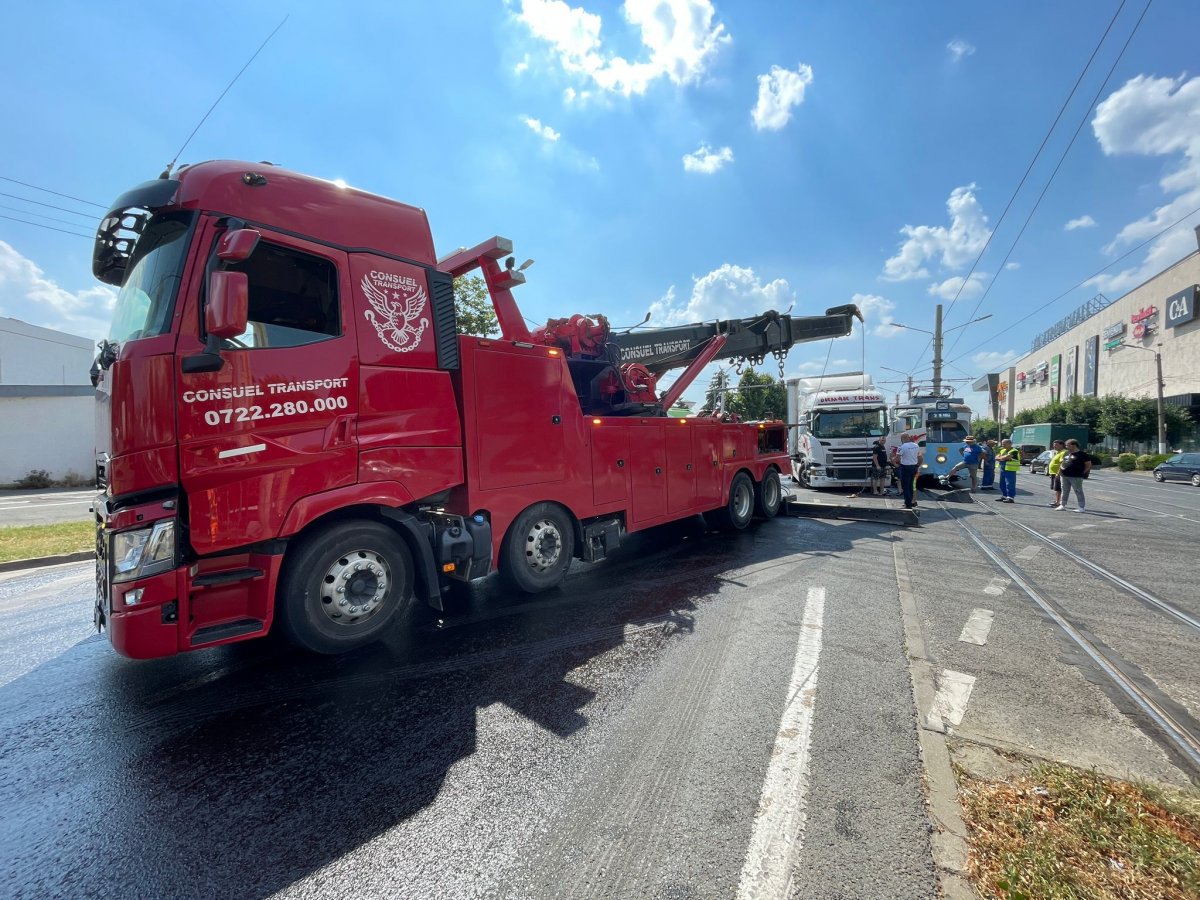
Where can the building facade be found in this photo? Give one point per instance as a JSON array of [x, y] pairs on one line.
[[46, 403], [1108, 348]]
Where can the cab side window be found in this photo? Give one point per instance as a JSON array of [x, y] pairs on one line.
[[293, 299]]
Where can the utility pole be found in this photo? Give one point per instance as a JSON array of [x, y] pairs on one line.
[[910, 387], [1162, 414], [937, 352]]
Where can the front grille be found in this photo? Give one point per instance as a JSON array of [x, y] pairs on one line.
[[859, 457], [847, 474]]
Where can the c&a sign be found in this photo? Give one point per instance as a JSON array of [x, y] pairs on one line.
[[1181, 307]]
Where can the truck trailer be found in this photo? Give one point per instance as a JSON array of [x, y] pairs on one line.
[[834, 420], [292, 434], [1033, 439]]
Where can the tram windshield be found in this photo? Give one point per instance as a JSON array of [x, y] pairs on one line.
[[946, 432]]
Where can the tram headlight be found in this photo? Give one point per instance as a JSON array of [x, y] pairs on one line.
[[941, 459]]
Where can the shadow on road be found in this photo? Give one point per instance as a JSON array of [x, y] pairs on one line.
[[237, 771]]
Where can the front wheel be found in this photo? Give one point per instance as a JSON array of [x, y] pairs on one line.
[[769, 495], [1160, 477], [739, 510], [537, 550], [343, 586]]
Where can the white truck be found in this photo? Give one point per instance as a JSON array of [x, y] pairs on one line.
[[833, 421]]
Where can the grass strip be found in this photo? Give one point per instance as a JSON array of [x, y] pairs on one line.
[[1059, 832], [33, 541]]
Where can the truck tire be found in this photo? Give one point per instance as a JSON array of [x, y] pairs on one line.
[[537, 549], [768, 495], [343, 586], [739, 510]]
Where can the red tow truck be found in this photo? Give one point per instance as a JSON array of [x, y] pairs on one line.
[[290, 431]]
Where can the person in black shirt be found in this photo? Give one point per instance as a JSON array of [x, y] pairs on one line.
[[1075, 467], [879, 464]]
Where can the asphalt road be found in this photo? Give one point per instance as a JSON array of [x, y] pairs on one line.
[[45, 507], [702, 715]]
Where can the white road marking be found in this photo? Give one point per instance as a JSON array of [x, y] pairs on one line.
[[1057, 534], [241, 451], [1029, 552], [954, 690], [1081, 527], [779, 823], [977, 627], [997, 586]]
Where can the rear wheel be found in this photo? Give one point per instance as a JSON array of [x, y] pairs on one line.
[[769, 495], [343, 586], [1196, 480], [739, 510], [537, 550]]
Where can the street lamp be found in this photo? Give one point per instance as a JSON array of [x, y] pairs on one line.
[[1162, 413], [937, 343]]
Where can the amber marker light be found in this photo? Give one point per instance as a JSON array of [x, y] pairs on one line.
[[683, 421], [448, 567], [553, 352], [595, 421]]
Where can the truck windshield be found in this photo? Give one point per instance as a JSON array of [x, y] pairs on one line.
[[147, 297], [849, 423]]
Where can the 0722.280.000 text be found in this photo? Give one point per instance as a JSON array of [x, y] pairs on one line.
[[276, 410]]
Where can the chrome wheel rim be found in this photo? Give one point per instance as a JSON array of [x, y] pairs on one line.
[[771, 493], [742, 499], [543, 545], [354, 587]]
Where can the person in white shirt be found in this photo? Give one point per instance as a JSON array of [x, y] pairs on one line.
[[908, 461]]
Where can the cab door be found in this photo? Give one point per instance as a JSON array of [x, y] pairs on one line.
[[276, 421]]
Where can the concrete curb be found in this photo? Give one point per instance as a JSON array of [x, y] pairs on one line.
[[949, 839], [41, 561]]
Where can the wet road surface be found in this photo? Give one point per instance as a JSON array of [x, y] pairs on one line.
[[613, 738]]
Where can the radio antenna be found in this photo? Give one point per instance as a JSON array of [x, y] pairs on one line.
[[171, 164]]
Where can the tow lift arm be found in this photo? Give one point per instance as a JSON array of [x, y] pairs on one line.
[[617, 374]]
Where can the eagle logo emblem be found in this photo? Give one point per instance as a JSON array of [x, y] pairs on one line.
[[396, 315]]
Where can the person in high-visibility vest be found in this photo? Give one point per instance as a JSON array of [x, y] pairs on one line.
[[1008, 459], [1052, 469]]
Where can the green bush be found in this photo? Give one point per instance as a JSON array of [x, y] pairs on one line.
[[1127, 462], [1145, 462], [1154, 459]]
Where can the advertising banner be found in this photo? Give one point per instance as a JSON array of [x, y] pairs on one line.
[[1068, 390], [1055, 365], [1181, 307], [1091, 358]]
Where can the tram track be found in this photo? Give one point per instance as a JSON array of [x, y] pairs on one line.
[[1163, 718]]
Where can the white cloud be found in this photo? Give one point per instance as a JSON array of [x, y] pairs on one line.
[[1154, 117], [678, 36], [778, 91], [572, 97], [542, 131], [877, 314], [706, 161], [1081, 222], [949, 289], [726, 292], [959, 48], [522, 66], [955, 246], [817, 365], [27, 294], [992, 361], [1011, 266]]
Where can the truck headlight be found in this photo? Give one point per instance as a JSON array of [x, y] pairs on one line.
[[941, 459], [146, 551]]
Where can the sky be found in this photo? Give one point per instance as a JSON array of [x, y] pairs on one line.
[[694, 159]]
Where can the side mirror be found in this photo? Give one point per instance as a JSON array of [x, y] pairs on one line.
[[228, 305], [236, 246]]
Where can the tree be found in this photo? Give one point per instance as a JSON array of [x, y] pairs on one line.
[[985, 429], [716, 387], [473, 307], [758, 397]]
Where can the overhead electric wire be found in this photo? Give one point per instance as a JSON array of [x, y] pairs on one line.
[[40, 216], [1029, 168], [48, 227], [74, 212], [48, 191], [1076, 287], [1050, 180]]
